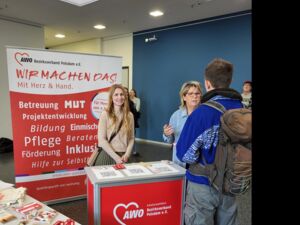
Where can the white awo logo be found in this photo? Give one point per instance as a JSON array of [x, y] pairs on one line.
[[129, 214]]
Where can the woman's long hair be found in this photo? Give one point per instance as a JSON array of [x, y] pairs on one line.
[[124, 108]]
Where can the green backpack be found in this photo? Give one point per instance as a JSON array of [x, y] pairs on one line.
[[231, 171]]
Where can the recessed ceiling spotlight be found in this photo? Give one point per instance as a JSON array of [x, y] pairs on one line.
[[156, 13], [60, 36], [79, 2], [99, 26]]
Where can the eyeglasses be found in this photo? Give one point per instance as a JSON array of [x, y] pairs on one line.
[[193, 93]]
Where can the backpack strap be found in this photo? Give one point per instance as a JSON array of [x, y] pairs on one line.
[[217, 177], [215, 105]]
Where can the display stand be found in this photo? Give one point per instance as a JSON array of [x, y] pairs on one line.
[[141, 193]]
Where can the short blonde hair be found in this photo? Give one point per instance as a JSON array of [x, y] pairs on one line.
[[185, 88]]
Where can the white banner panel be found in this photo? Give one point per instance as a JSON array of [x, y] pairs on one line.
[[41, 71], [56, 100]]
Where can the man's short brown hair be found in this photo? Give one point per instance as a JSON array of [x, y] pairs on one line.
[[219, 73]]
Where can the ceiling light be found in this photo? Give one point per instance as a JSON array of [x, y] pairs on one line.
[[99, 26], [156, 13], [79, 2], [60, 35]]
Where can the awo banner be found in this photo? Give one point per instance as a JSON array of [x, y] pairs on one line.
[[56, 99], [147, 204]]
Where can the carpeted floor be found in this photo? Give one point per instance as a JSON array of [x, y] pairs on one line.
[[77, 210]]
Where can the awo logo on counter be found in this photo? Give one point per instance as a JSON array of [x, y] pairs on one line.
[[124, 213], [22, 58]]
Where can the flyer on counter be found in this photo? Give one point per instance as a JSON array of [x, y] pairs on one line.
[[136, 170], [159, 168], [106, 172]]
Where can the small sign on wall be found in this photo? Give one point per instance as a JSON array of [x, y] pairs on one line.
[[125, 76]]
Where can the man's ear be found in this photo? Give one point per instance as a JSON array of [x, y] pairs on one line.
[[208, 85]]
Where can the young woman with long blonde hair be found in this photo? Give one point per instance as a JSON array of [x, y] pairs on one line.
[[117, 113]]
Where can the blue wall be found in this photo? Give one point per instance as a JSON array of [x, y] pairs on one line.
[[181, 54]]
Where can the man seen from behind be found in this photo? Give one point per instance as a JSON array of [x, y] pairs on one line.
[[197, 145]]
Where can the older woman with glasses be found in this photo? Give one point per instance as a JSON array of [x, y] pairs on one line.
[[190, 96]]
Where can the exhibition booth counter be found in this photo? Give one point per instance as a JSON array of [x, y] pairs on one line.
[[140, 193]]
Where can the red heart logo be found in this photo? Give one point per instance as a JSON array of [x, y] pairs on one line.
[[18, 57], [121, 205]]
